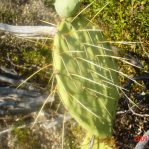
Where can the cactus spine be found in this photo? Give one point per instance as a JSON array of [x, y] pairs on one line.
[[86, 82]]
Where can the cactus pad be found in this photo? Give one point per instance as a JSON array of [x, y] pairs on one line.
[[86, 76], [66, 8]]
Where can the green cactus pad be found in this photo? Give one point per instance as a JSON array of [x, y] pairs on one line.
[[86, 82], [66, 8]]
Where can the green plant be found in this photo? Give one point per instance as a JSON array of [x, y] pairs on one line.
[[69, 8], [122, 20], [24, 139], [87, 79]]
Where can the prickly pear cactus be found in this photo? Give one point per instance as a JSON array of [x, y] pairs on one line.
[[67, 8], [86, 81]]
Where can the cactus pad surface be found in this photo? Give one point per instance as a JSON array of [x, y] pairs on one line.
[[87, 80]]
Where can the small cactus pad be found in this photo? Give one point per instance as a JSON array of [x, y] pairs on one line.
[[87, 80], [66, 8]]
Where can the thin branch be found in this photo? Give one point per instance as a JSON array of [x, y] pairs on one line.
[[8, 80], [137, 114], [29, 31], [121, 112], [19, 101]]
